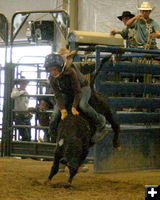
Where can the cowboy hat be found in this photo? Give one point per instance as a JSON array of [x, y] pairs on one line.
[[146, 6], [21, 80], [65, 52], [126, 14]]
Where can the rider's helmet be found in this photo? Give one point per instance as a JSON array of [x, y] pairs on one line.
[[54, 59]]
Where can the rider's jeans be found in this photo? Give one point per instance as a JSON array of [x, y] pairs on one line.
[[84, 106], [89, 110]]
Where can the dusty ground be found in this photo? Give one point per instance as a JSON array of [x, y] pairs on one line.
[[24, 180]]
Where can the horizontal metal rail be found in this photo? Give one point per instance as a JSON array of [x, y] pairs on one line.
[[133, 76], [123, 55], [134, 102], [28, 64], [114, 49], [33, 111], [32, 156], [29, 126], [34, 143], [88, 159], [110, 88], [132, 68], [134, 127], [137, 117], [34, 79], [122, 117], [39, 95]]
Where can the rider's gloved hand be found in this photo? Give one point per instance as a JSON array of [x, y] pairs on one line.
[[74, 111], [64, 114]]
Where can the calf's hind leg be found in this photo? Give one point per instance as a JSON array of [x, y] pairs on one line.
[[98, 101], [116, 129]]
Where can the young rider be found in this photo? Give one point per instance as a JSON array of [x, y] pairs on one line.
[[71, 88]]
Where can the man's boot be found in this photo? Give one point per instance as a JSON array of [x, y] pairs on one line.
[[101, 130]]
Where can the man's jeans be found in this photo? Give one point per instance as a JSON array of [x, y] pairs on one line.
[[25, 133]]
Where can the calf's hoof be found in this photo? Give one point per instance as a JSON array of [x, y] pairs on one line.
[[47, 182], [68, 185], [117, 145], [118, 148]]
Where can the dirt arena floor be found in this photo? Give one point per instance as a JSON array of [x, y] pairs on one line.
[[23, 179]]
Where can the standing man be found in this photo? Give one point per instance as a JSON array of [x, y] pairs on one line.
[[128, 32], [21, 104], [147, 30]]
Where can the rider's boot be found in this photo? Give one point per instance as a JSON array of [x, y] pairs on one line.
[[101, 129]]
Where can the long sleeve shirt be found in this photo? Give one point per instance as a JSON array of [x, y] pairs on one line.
[[128, 35], [70, 83], [20, 101]]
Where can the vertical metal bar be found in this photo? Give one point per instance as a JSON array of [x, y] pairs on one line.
[[97, 81], [7, 110], [97, 86], [1, 148], [37, 92], [4, 128]]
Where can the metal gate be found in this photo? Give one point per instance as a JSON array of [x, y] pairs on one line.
[[137, 109], [13, 146]]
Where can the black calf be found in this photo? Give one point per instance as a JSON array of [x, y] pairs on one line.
[[73, 143]]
